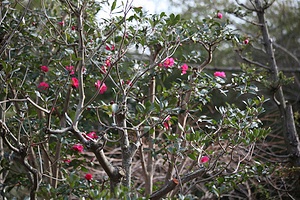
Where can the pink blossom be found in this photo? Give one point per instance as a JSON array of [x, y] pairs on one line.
[[100, 87], [62, 23], [103, 70], [246, 41], [88, 176], [110, 48], [166, 125], [70, 69], [67, 161], [167, 122], [128, 82], [91, 135], [43, 86], [73, 28], [44, 68], [219, 15], [78, 147], [169, 62], [184, 68], [107, 62], [204, 159], [168, 118], [220, 74], [75, 82]]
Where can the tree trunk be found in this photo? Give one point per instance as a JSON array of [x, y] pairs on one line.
[[289, 128], [151, 137]]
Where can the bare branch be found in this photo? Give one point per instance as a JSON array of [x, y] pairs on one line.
[[244, 6], [37, 106], [288, 52], [253, 62], [59, 131], [174, 182]]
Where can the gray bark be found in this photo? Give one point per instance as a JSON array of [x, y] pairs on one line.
[[289, 129]]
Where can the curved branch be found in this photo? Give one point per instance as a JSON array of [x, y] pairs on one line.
[[35, 182], [58, 131], [171, 185], [37, 106], [114, 173], [3, 133], [288, 52], [252, 62], [246, 7]]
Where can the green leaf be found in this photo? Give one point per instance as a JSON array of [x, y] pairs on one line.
[[163, 14], [193, 155], [113, 6], [118, 39]]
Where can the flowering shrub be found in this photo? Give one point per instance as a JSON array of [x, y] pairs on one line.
[[135, 130]]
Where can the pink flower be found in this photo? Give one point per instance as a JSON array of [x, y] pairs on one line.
[[107, 62], [128, 82], [62, 23], [219, 15], [167, 122], [110, 48], [184, 68], [78, 147], [88, 177], [73, 28], [75, 82], [70, 69], [91, 135], [103, 70], [67, 161], [220, 74], [44, 68], [169, 62], [166, 125], [43, 86], [101, 87], [204, 159], [246, 41]]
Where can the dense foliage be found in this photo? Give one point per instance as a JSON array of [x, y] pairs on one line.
[[122, 106]]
